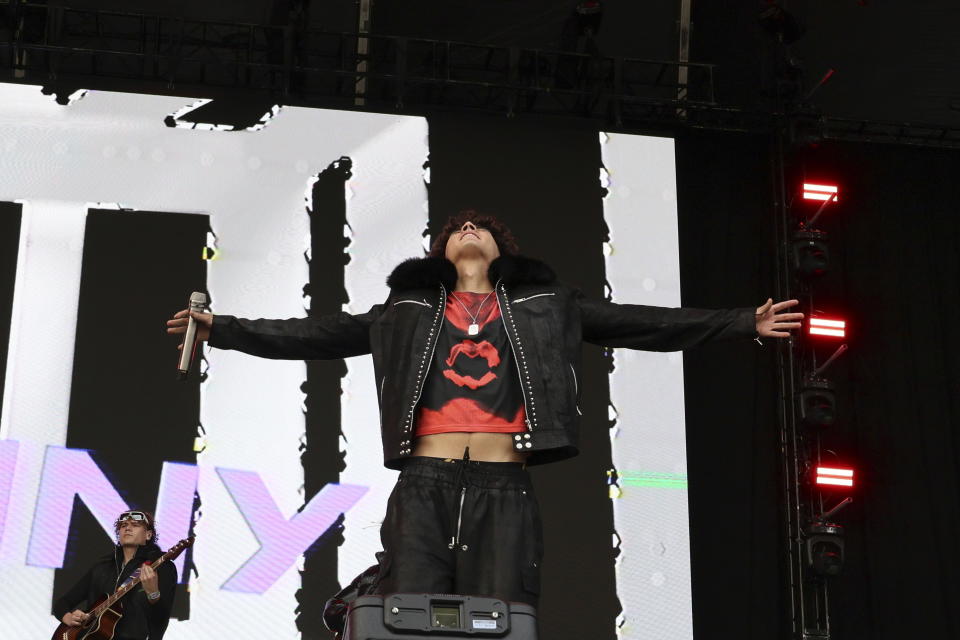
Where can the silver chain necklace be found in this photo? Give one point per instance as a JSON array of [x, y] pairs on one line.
[[474, 327]]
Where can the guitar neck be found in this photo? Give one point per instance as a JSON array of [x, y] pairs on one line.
[[126, 588]]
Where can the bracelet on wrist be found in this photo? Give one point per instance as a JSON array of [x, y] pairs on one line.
[[154, 595]]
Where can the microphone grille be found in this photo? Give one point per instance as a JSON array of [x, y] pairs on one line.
[[198, 297]]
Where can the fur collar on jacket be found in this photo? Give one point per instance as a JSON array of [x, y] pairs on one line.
[[426, 273]]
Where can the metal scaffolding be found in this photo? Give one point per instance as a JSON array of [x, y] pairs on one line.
[[65, 47]]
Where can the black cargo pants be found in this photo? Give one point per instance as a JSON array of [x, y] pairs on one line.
[[462, 527]]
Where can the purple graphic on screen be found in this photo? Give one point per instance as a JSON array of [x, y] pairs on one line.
[[8, 464], [66, 473], [178, 483], [281, 540]]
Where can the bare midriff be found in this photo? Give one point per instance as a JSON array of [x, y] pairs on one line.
[[485, 447]]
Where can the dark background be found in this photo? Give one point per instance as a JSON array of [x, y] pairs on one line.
[[726, 260], [893, 60]]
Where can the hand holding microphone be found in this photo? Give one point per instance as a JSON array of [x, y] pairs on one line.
[[195, 325]]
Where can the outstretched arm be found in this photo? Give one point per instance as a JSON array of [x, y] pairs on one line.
[[674, 329], [336, 335]]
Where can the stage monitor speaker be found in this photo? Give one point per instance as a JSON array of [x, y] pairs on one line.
[[422, 616]]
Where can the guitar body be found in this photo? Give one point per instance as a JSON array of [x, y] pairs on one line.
[[101, 628]]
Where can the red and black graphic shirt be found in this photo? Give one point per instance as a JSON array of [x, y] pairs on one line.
[[472, 385]]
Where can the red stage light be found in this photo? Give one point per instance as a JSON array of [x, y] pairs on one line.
[[834, 477], [828, 327], [820, 192]]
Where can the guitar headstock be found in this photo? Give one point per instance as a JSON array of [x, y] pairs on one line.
[[178, 548]]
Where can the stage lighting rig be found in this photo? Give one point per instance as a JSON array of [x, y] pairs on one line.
[[833, 477], [820, 327], [825, 548], [811, 253], [824, 539], [818, 403], [817, 399], [809, 246], [825, 192], [813, 411]]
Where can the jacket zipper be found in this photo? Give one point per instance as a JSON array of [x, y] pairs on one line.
[[536, 295], [516, 360], [576, 389], [436, 338], [408, 417], [422, 304]]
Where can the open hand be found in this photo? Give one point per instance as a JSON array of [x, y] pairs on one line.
[[178, 324], [74, 618], [773, 324]]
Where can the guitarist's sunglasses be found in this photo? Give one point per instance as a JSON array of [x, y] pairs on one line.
[[132, 515]]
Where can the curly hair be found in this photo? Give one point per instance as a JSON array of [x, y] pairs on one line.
[[502, 235], [151, 525]]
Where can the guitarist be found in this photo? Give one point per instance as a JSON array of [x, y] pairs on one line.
[[146, 609]]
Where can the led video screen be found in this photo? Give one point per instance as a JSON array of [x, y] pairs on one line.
[[107, 197]]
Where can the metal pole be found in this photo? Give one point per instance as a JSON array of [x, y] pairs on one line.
[[683, 56], [363, 50], [786, 380]]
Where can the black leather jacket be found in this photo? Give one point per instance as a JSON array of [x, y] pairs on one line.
[[545, 320], [140, 618]]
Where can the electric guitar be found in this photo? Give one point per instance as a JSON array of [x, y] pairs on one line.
[[108, 610]]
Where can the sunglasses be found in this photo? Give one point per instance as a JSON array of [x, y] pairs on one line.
[[139, 516]]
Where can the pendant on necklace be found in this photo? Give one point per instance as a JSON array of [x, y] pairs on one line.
[[473, 329]]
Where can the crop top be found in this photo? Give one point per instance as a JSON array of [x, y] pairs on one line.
[[472, 385]]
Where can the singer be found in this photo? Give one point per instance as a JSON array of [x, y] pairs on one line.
[[146, 609], [476, 354]]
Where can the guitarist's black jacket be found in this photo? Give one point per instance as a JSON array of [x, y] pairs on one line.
[[141, 620]]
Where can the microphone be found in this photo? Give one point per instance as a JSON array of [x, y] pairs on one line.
[[198, 301]]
